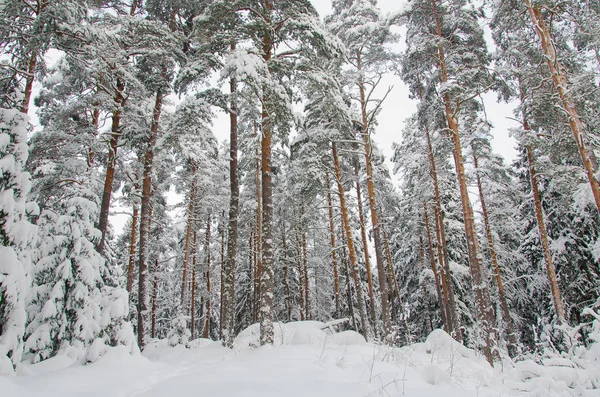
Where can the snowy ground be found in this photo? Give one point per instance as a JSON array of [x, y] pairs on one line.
[[306, 361]]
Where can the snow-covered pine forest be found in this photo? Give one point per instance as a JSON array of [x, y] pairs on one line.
[[108, 112]]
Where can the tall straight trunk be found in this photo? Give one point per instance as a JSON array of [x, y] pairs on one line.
[[145, 221], [366, 328], [258, 235], [113, 144], [363, 234], [334, 264], [444, 309], [267, 272], [512, 338], [286, 276], [154, 298], [188, 235], [347, 272], [222, 276], [301, 284], [561, 83], [423, 266], [390, 269], [442, 246], [207, 275], [307, 312], [132, 243], [193, 302], [383, 287], [539, 214], [485, 310]]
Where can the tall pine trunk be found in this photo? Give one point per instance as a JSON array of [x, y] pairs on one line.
[[512, 338], [228, 319], [561, 83], [207, 276], [366, 328], [444, 309], [363, 234], [132, 244], [383, 286], [145, 221], [334, 264], [267, 272], [485, 310], [191, 217]]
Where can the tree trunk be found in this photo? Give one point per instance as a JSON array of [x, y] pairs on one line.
[[336, 278], [539, 214], [257, 236], [363, 234], [442, 246], [366, 328], [307, 312], [154, 298], [222, 276], [444, 309], [485, 310], [193, 302], [188, 236], [301, 295], [512, 339], [286, 276], [132, 243], [390, 269], [146, 221], [383, 287], [113, 144], [207, 275], [561, 83]]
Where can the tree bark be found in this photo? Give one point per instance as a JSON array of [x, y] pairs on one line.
[[512, 339], [267, 272], [383, 287], [193, 302], [207, 317], [485, 310], [561, 83], [188, 236], [307, 312], [257, 236], [132, 243], [444, 309], [363, 234], [113, 144], [154, 298], [334, 264], [366, 328], [286, 280], [442, 246], [301, 303], [145, 221], [539, 214], [29, 78]]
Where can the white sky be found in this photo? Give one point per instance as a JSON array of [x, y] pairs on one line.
[[399, 107]]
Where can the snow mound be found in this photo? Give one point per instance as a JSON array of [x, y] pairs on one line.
[[199, 343], [299, 333], [434, 375], [346, 338]]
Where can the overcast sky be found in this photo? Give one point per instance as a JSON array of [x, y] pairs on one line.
[[398, 107]]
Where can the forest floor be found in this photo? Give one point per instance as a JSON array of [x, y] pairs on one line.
[[306, 361]]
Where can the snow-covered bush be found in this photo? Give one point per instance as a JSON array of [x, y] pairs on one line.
[[16, 235], [179, 333]]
